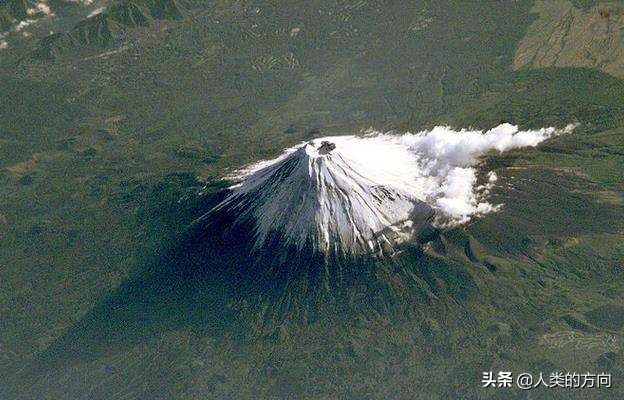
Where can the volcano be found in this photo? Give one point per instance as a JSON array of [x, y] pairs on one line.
[[363, 195], [340, 230], [331, 195]]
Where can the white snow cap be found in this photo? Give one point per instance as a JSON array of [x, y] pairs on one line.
[[356, 194]]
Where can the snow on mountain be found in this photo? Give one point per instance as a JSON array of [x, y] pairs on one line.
[[365, 194], [354, 198]]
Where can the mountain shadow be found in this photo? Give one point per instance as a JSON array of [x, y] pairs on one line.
[[214, 283]]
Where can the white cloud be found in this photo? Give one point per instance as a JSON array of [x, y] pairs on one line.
[[438, 167], [3, 45], [447, 162]]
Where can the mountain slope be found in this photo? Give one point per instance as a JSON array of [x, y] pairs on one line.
[[331, 200], [107, 27]]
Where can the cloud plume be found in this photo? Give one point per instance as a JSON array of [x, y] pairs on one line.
[[447, 161]]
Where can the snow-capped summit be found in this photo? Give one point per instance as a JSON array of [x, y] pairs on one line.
[[344, 195], [365, 194]]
